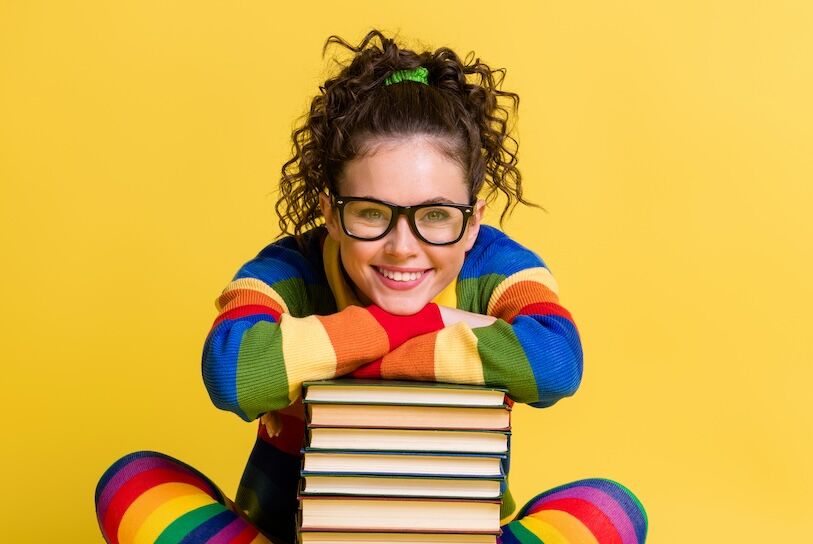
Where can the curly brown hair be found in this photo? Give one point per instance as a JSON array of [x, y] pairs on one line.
[[460, 107]]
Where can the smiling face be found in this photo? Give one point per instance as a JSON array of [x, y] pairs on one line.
[[400, 273]]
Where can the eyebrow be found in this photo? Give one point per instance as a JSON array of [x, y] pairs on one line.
[[436, 200]]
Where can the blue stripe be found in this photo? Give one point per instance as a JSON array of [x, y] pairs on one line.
[[496, 253], [552, 347], [203, 532], [508, 536], [278, 263], [220, 354]]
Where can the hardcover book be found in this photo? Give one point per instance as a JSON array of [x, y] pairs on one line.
[[402, 392], [400, 514], [429, 440], [383, 485], [407, 416], [403, 464]]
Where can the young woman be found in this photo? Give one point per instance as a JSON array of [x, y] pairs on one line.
[[387, 272]]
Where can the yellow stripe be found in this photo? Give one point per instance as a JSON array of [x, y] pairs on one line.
[[342, 292], [180, 499], [456, 357], [307, 351], [538, 274], [256, 285], [547, 533], [570, 526]]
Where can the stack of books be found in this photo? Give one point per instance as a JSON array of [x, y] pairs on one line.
[[405, 462]]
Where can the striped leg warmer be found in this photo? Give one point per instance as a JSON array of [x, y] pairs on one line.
[[148, 497], [594, 511]]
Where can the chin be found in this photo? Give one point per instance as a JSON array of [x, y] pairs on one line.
[[401, 307]]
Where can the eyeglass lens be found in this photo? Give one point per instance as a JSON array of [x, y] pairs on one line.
[[438, 224]]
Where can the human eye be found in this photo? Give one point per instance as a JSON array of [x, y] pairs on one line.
[[372, 214], [435, 215], [368, 212]]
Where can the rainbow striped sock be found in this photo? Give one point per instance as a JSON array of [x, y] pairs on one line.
[[149, 497], [593, 511]]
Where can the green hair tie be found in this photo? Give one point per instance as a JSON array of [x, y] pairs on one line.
[[418, 75]]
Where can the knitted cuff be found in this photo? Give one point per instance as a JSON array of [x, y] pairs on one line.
[[400, 328]]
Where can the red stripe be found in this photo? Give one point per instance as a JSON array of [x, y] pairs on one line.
[[401, 328], [370, 371], [249, 309], [134, 488], [589, 514], [246, 535], [545, 308]]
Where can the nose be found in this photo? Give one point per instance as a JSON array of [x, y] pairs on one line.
[[401, 241]]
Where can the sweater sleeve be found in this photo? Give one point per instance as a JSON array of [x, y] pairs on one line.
[[533, 349], [267, 340]]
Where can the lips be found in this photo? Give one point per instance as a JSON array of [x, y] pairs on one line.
[[401, 279], [397, 275]]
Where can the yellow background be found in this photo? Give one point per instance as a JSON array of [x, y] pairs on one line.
[[670, 143]]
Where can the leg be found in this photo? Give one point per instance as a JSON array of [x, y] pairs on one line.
[[268, 489], [594, 511], [148, 497]]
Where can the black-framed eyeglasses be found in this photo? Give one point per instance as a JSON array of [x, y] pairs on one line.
[[369, 219]]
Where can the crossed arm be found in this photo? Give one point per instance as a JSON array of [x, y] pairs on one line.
[[266, 340]]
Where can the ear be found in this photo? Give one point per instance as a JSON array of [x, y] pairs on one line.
[[474, 224], [331, 219]]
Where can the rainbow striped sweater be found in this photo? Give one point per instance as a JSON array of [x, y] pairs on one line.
[[289, 316]]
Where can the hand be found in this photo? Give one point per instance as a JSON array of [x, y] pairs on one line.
[[272, 422], [452, 316]]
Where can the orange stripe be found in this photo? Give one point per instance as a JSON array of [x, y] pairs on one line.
[[570, 527], [165, 514], [356, 337], [414, 360], [241, 297], [520, 295], [141, 508], [253, 284]]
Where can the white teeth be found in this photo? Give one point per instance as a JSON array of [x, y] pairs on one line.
[[400, 276]]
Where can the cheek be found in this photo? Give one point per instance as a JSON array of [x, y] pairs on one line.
[[450, 260], [355, 256]]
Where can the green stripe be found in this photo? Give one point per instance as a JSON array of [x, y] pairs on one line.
[[473, 294], [185, 524], [523, 534], [261, 370], [504, 361], [295, 296], [304, 300]]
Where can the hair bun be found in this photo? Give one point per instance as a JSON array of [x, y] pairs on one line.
[[418, 75]]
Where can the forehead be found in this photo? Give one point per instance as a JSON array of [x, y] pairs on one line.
[[405, 171]]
